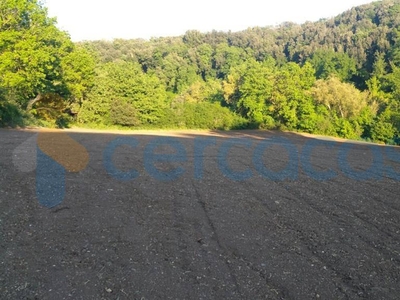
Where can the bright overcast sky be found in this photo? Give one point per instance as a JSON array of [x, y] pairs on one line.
[[105, 19]]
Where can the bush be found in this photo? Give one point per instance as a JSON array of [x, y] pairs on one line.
[[268, 123], [345, 129], [11, 115], [206, 115], [64, 121], [123, 113], [383, 132]]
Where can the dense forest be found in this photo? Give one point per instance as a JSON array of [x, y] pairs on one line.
[[338, 77]]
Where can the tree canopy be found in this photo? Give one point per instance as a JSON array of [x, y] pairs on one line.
[[338, 76]]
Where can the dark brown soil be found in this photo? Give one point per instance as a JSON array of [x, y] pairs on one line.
[[204, 235]]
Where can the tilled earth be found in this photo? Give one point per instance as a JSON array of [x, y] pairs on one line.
[[223, 215]]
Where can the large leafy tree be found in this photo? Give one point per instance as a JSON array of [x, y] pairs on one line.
[[31, 51], [248, 88], [289, 98], [342, 99], [78, 72], [38, 62], [124, 95]]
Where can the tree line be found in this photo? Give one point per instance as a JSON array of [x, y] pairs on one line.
[[338, 77]]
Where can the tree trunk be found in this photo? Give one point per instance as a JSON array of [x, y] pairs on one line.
[[341, 111], [33, 101]]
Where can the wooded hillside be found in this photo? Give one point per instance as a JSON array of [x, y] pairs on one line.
[[339, 77]]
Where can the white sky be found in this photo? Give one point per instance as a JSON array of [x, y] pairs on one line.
[[105, 19]]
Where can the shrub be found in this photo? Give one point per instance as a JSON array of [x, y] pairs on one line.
[[382, 132], [11, 115]]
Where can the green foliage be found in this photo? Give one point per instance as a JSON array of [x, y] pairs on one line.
[[50, 107], [342, 99], [201, 91], [206, 115], [11, 115], [39, 66], [31, 50], [337, 77], [247, 89], [226, 57], [78, 72], [176, 72], [123, 113], [124, 95], [345, 129], [393, 80], [328, 63], [290, 98], [382, 131], [324, 122]]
